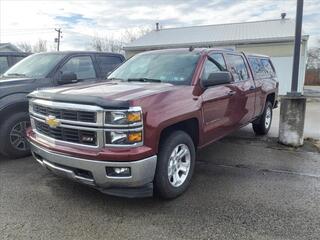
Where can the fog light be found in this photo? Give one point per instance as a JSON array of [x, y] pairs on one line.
[[118, 171]]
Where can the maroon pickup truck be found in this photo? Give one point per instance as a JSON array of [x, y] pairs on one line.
[[137, 134]]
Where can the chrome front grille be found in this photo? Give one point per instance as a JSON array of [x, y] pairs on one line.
[[77, 124], [66, 114], [72, 124], [67, 134]]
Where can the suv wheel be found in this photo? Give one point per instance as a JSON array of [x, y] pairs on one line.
[[175, 165], [262, 125], [13, 135]]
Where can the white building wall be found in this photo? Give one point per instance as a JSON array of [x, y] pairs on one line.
[[283, 66]]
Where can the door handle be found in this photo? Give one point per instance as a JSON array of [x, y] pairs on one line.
[[231, 93]]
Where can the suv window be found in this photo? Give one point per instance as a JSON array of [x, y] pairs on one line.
[[108, 63], [267, 67], [262, 67], [238, 67], [15, 59], [219, 58], [257, 67], [3, 64], [82, 66], [208, 68]]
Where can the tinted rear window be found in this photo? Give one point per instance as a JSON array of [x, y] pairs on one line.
[[108, 63], [268, 67], [261, 67]]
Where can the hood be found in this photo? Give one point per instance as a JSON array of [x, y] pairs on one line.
[[106, 94], [10, 86], [5, 81]]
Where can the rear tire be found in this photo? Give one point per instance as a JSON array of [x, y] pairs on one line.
[[262, 125], [175, 165], [13, 135]]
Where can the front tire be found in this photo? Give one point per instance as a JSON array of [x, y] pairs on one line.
[[262, 125], [175, 165], [13, 135]]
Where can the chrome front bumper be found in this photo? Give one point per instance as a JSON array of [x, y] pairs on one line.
[[142, 172]]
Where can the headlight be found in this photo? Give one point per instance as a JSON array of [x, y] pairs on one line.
[[132, 116], [128, 137]]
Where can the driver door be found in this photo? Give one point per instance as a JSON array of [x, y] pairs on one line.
[[218, 105]]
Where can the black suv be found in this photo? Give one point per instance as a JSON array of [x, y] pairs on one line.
[[43, 70], [8, 59]]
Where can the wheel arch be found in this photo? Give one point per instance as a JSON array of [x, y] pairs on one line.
[[11, 104], [271, 97], [190, 126]]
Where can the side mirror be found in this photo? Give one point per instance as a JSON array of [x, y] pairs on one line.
[[68, 78], [217, 78]]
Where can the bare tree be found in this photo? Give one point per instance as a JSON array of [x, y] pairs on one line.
[[112, 44], [25, 47], [313, 58], [99, 44], [129, 35], [40, 46], [106, 43]]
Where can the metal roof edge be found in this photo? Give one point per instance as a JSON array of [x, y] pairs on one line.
[[217, 43]]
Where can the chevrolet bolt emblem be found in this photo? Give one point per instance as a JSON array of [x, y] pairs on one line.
[[52, 121]]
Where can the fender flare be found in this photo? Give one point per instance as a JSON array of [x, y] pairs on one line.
[[169, 123], [11, 100]]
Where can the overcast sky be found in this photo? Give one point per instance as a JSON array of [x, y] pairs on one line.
[[27, 21]]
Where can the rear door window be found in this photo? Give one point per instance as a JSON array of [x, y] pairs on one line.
[[237, 67], [3, 64], [82, 66], [108, 63]]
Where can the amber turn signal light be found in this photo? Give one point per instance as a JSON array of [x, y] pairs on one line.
[[135, 137], [134, 116]]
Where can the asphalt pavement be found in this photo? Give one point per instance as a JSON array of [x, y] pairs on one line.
[[243, 188]]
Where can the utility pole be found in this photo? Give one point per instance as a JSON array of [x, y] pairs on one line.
[[57, 40], [297, 47], [293, 105]]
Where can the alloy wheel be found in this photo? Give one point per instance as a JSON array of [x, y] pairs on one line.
[[179, 165], [268, 118], [18, 136]]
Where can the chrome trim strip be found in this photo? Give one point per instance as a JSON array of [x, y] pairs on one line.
[[123, 130], [136, 124]]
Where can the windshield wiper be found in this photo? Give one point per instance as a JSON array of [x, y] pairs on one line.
[[17, 74], [143, 80], [114, 78]]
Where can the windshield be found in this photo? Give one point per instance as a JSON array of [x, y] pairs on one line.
[[34, 66], [171, 67]]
